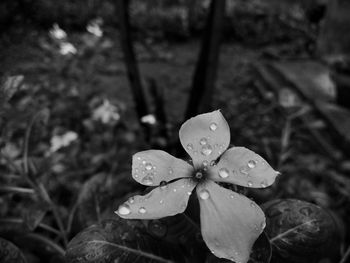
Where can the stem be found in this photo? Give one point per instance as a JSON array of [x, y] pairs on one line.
[[21, 221], [14, 189], [289, 231], [346, 255]]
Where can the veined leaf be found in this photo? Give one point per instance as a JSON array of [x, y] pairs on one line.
[[122, 241], [10, 253]]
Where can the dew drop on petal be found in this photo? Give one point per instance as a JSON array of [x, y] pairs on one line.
[[206, 150], [243, 170], [143, 162], [252, 164], [263, 225], [205, 163], [163, 185], [250, 183], [174, 190], [124, 209], [138, 158], [212, 163], [131, 200], [189, 146], [263, 184], [252, 204], [161, 201], [223, 173], [232, 196], [213, 126], [148, 166], [204, 194], [203, 141], [147, 180], [189, 193], [142, 210], [171, 171]]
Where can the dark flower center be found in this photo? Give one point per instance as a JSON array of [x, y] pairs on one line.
[[199, 175]]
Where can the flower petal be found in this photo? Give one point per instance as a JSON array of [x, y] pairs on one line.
[[243, 167], [166, 200], [230, 222], [154, 166], [205, 137]]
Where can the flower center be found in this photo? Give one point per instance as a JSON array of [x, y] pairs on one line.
[[199, 175]]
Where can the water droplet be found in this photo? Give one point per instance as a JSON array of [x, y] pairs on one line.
[[199, 175], [138, 158], [263, 225], [252, 164], [174, 190], [131, 200], [206, 150], [203, 141], [189, 146], [147, 180], [143, 162], [142, 210], [212, 163], [136, 170], [205, 163], [256, 227], [204, 194], [136, 175], [171, 171], [213, 126], [163, 185], [148, 166], [223, 173], [252, 204], [250, 183], [154, 167], [189, 193], [263, 184], [232, 196], [161, 201], [124, 209]]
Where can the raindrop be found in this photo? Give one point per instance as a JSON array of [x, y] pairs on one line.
[[212, 163], [136, 170], [124, 209], [154, 167], [203, 141], [190, 146], [148, 166], [204, 194], [142, 210], [147, 180], [252, 204], [131, 200], [138, 158], [143, 162], [213, 126], [263, 224], [250, 183], [163, 185], [232, 196], [189, 193], [263, 184], [171, 171], [205, 163], [252, 164], [174, 190], [161, 201], [223, 173], [206, 150], [136, 175]]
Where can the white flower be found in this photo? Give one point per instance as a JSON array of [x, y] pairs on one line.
[[94, 27], [107, 113], [149, 119], [67, 48], [57, 33], [60, 141]]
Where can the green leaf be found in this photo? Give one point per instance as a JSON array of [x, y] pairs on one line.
[[10, 253], [120, 241], [9, 86]]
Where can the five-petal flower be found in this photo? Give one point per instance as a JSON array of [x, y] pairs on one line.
[[230, 222]]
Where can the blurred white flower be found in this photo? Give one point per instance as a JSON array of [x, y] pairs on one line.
[[60, 141], [107, 113], [57, 33], [149, 119], [94, 27], [67, 48]]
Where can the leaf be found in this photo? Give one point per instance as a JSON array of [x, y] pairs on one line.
[[34, 211], [9, 86], [301, 232], [10, 253], [120, 241]]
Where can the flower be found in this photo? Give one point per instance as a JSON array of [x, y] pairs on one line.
[[107, 113], [230, 222], [67, 48], [57, 33], [60, 141]]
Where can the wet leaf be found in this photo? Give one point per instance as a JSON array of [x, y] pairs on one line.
[[301, 232], [10, 253], [9, 86], [120, 241]]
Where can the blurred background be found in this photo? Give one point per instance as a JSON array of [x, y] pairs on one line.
[[85, 84]]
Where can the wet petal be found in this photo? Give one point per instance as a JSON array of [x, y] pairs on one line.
[[166, 200], [154, 166], [205, 137], [230, 222], [241, 166]]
